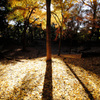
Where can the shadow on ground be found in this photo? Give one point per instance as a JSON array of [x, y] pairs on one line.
[[91, 64], [29, 84], [47, 88], [83, 85], [15, 54]]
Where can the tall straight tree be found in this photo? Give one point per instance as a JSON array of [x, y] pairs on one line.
[[48, 30]]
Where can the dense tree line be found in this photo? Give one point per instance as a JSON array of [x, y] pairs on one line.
[[72, 21]]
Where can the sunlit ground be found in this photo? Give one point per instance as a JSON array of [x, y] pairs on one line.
[[24, 80]]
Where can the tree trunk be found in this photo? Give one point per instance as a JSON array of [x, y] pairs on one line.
[[59, 50], [48, 30], [94, 17], [61, 29], [24, 36]]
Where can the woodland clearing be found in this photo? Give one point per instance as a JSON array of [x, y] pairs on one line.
[[22, 76]]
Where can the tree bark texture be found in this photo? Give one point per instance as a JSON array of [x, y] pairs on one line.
[[94, 17], [59, 50], [24, 36], [48, 30]]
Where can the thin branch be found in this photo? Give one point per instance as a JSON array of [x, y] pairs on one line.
[[56, 16], [32, 11], [56, 20], [86, 4], [34, 20]]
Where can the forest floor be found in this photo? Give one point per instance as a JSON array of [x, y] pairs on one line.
[[27, 75]]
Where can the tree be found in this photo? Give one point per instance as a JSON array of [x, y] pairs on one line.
[[3, 21], [60, 13], [93, 16], [48, 30], [28, 12]]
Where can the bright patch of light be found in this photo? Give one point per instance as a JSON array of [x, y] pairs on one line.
[[52, 7], [78, 31], [44, 9], [12, 22], [2, 8], [90, 27], [27, 74], [81, 26], [86, 7]]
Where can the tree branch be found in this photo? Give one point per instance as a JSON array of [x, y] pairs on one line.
[[86, 4], [34, 20], [56, 16]]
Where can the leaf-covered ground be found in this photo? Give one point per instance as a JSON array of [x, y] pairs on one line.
[[27, 78]]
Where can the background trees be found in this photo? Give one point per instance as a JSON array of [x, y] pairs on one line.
[[4, 9], [72, 20], [91, 17]]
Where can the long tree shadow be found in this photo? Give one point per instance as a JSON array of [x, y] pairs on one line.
[[26, 87], [47, 88], [83, 85], [91, 64]]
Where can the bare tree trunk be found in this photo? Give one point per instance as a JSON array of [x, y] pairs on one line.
[[94, 17], [59, 50], [48, 30], [26, 23], [24, 36]]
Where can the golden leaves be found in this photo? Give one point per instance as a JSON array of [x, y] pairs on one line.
[[24, 8], [25, 79]]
